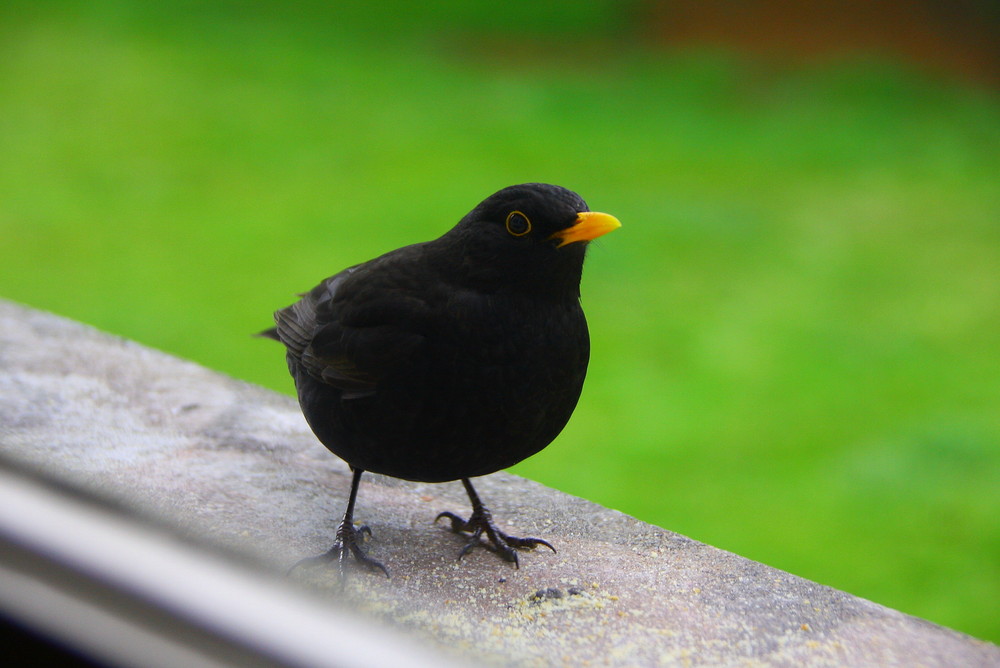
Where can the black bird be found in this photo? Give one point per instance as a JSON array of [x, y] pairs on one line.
[[452, 358]]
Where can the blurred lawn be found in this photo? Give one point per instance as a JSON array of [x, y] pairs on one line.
[[795, 333]]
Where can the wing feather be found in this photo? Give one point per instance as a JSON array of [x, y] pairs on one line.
[[354, 329]]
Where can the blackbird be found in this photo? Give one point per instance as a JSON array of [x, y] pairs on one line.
[[452, 358]]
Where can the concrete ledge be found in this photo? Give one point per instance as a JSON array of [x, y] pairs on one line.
[[236, 466]]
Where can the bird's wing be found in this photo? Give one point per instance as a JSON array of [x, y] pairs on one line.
[[354, 328]]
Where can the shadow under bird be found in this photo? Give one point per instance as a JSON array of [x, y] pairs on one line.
[[452, 358]]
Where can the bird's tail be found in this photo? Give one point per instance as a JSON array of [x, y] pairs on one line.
[[269, 334]]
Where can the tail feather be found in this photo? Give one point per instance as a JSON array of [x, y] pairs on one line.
[[269, 334]]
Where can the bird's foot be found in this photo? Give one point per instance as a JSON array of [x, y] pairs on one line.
[[481, 522], [349, 539]]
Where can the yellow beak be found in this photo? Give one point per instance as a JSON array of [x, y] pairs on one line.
[[588, 225]]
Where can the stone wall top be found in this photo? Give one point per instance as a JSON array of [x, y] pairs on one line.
[[235, 465]]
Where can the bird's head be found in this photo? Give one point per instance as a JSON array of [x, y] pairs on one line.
[[530, 233]]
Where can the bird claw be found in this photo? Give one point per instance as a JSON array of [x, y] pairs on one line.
[[457, 523], [481, 522], [349, 539]]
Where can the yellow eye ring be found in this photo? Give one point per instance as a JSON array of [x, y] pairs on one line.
[[518, 224]]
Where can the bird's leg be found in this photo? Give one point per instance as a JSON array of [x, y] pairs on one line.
[[480, 522], [349, 538]]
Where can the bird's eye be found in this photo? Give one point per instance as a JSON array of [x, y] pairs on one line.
[[518, 224]]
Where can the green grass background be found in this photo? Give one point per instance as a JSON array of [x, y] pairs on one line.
[[796, 334]]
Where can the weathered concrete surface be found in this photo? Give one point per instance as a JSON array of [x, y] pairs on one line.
[[236, 464]]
